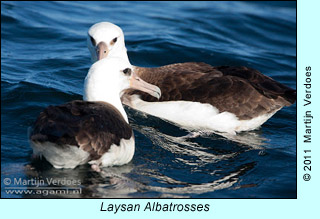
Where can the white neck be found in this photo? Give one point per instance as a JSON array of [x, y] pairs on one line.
[[113, 99], [119, 53], [96, 88]]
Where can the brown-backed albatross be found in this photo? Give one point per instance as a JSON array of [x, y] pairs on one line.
[[195, 95], [95, 130]]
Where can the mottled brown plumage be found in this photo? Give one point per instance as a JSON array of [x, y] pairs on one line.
[[92, 126], [242, 91]]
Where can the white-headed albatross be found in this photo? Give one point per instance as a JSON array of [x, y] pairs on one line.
[[197, 96], [95, 130]]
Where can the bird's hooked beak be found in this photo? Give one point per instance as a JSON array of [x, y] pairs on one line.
[[102, 50], [137, 83]]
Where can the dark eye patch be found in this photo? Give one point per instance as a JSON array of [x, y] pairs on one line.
[[127, 71], [93, 41], [113, 41]]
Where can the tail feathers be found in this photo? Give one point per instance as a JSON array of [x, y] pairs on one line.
[[290, 96]]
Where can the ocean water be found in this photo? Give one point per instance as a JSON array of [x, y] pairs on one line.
[[44, 60]]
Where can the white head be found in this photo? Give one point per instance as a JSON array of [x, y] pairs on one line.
[[108, 78], [106, 40]]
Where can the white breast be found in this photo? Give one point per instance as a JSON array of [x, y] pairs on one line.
[[197, 116]]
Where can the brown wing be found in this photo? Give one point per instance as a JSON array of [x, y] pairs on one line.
[[92, 126], [243, 91], [264, 84]]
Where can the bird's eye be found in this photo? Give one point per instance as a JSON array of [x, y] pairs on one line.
[[115, 40], [127, 71], [92, 41]]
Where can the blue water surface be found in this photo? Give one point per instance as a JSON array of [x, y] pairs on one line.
[[44, 60]]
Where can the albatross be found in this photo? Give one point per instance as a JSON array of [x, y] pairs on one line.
[[196, 95], [94, 130]]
